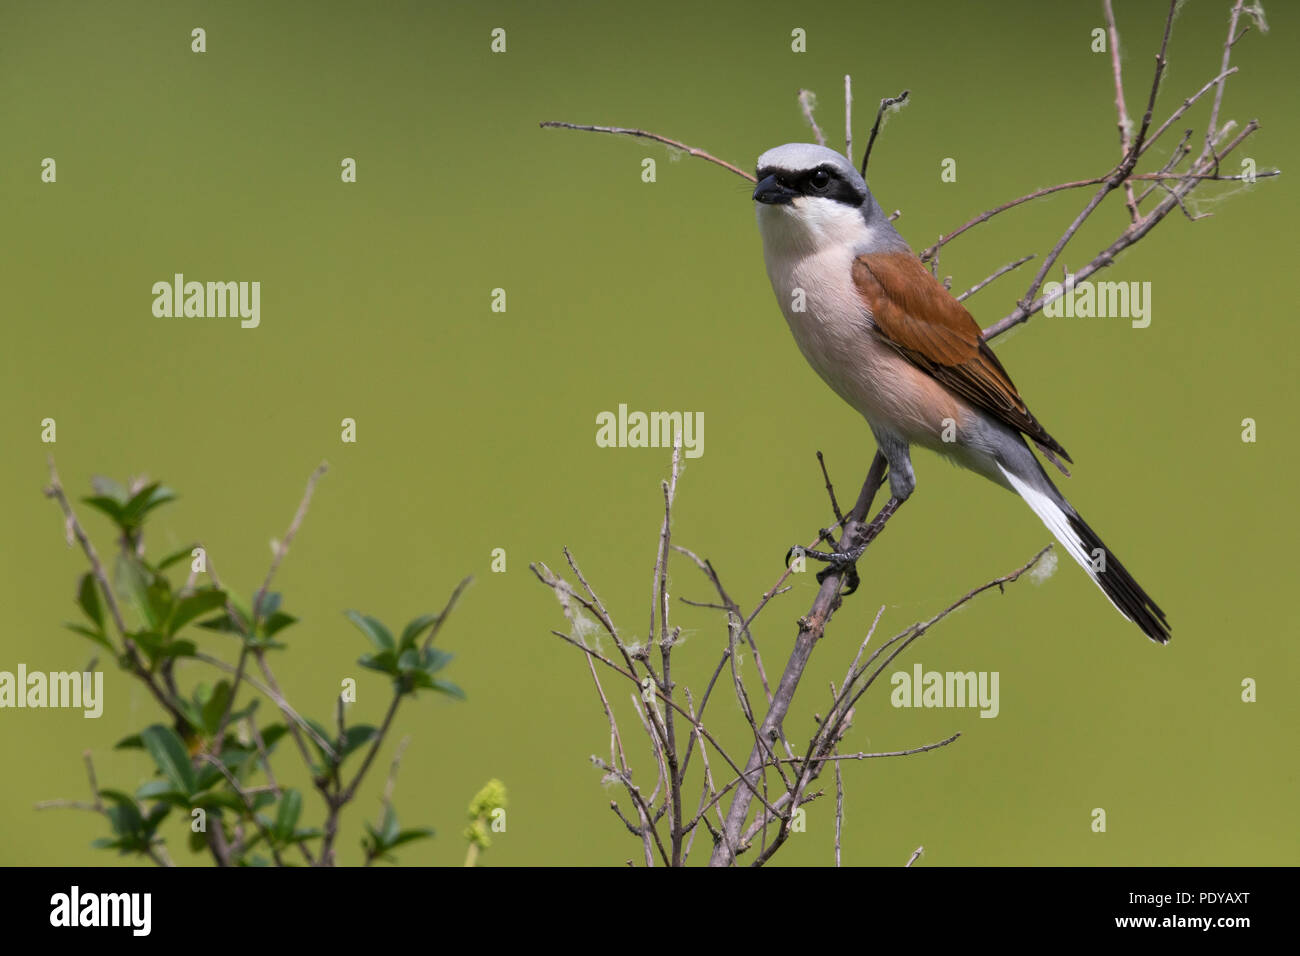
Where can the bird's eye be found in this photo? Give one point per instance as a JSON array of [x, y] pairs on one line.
[[819, 180]]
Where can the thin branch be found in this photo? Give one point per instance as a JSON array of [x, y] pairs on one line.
[[925, 748], [643, 134], [282, 547], [272, 692], [886, 103], [929, 252], [1212, 127], [996, 275], [248, 804], [668, 702], [830, 490], [833, 728], [1127, 238], [839, 810], [660, 599], [848, 117], [1123, 121], [810, 630], [386, 801]]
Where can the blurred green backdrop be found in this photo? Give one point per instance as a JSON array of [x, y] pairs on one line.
[[476, 428]]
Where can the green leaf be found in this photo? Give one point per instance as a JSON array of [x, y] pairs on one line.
[[153, 789], [157, 603], [88, 599], [324, 735], [164, 792], [353, 739], [108, 488], [207, 777], [144, 501], [215, 706], [193, 606], [180, 648], [223, 623], [286, 817], [408, 836], [385, 663], [155, 816], [434, 660], [169, 753], [446, 687], [133, 581], [378, 634], [95, 636], [357, 736], [269, 604], [124, 816], [271, 736], [305, 834], [216, 797], [150, 642], [411, 633], [180, 554], [134, 742], [388, 828], [277, 622], [108, 506]]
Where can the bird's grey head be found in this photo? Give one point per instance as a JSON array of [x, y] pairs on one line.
[[804, 169], [810, 196]]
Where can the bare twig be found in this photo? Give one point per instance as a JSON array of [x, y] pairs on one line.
[[839, 810], [248, 804], [998, 274], [811, 627], [830, 490], [643, 134], [885, 104], [282, 547], [1125, 128], [848, 117], [1122, 242], [868, 756]]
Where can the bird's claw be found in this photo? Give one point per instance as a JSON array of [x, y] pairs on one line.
[[848, 571]]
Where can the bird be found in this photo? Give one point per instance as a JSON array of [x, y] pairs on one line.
[[898, 347]]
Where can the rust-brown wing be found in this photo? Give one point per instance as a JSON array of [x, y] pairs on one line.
[[916, 315]]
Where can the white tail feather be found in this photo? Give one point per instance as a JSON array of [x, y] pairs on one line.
[[1058, 522]]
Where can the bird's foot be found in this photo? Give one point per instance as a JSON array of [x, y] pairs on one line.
[[845, 563], [837, 562]]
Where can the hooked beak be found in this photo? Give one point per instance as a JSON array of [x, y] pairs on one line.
[[773, 192]]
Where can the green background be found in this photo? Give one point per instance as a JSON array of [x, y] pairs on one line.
[[476, 429]]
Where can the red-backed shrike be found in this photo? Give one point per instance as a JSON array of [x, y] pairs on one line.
[[894, 343]]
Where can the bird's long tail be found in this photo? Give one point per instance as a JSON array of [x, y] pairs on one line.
[[1030, 482]]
